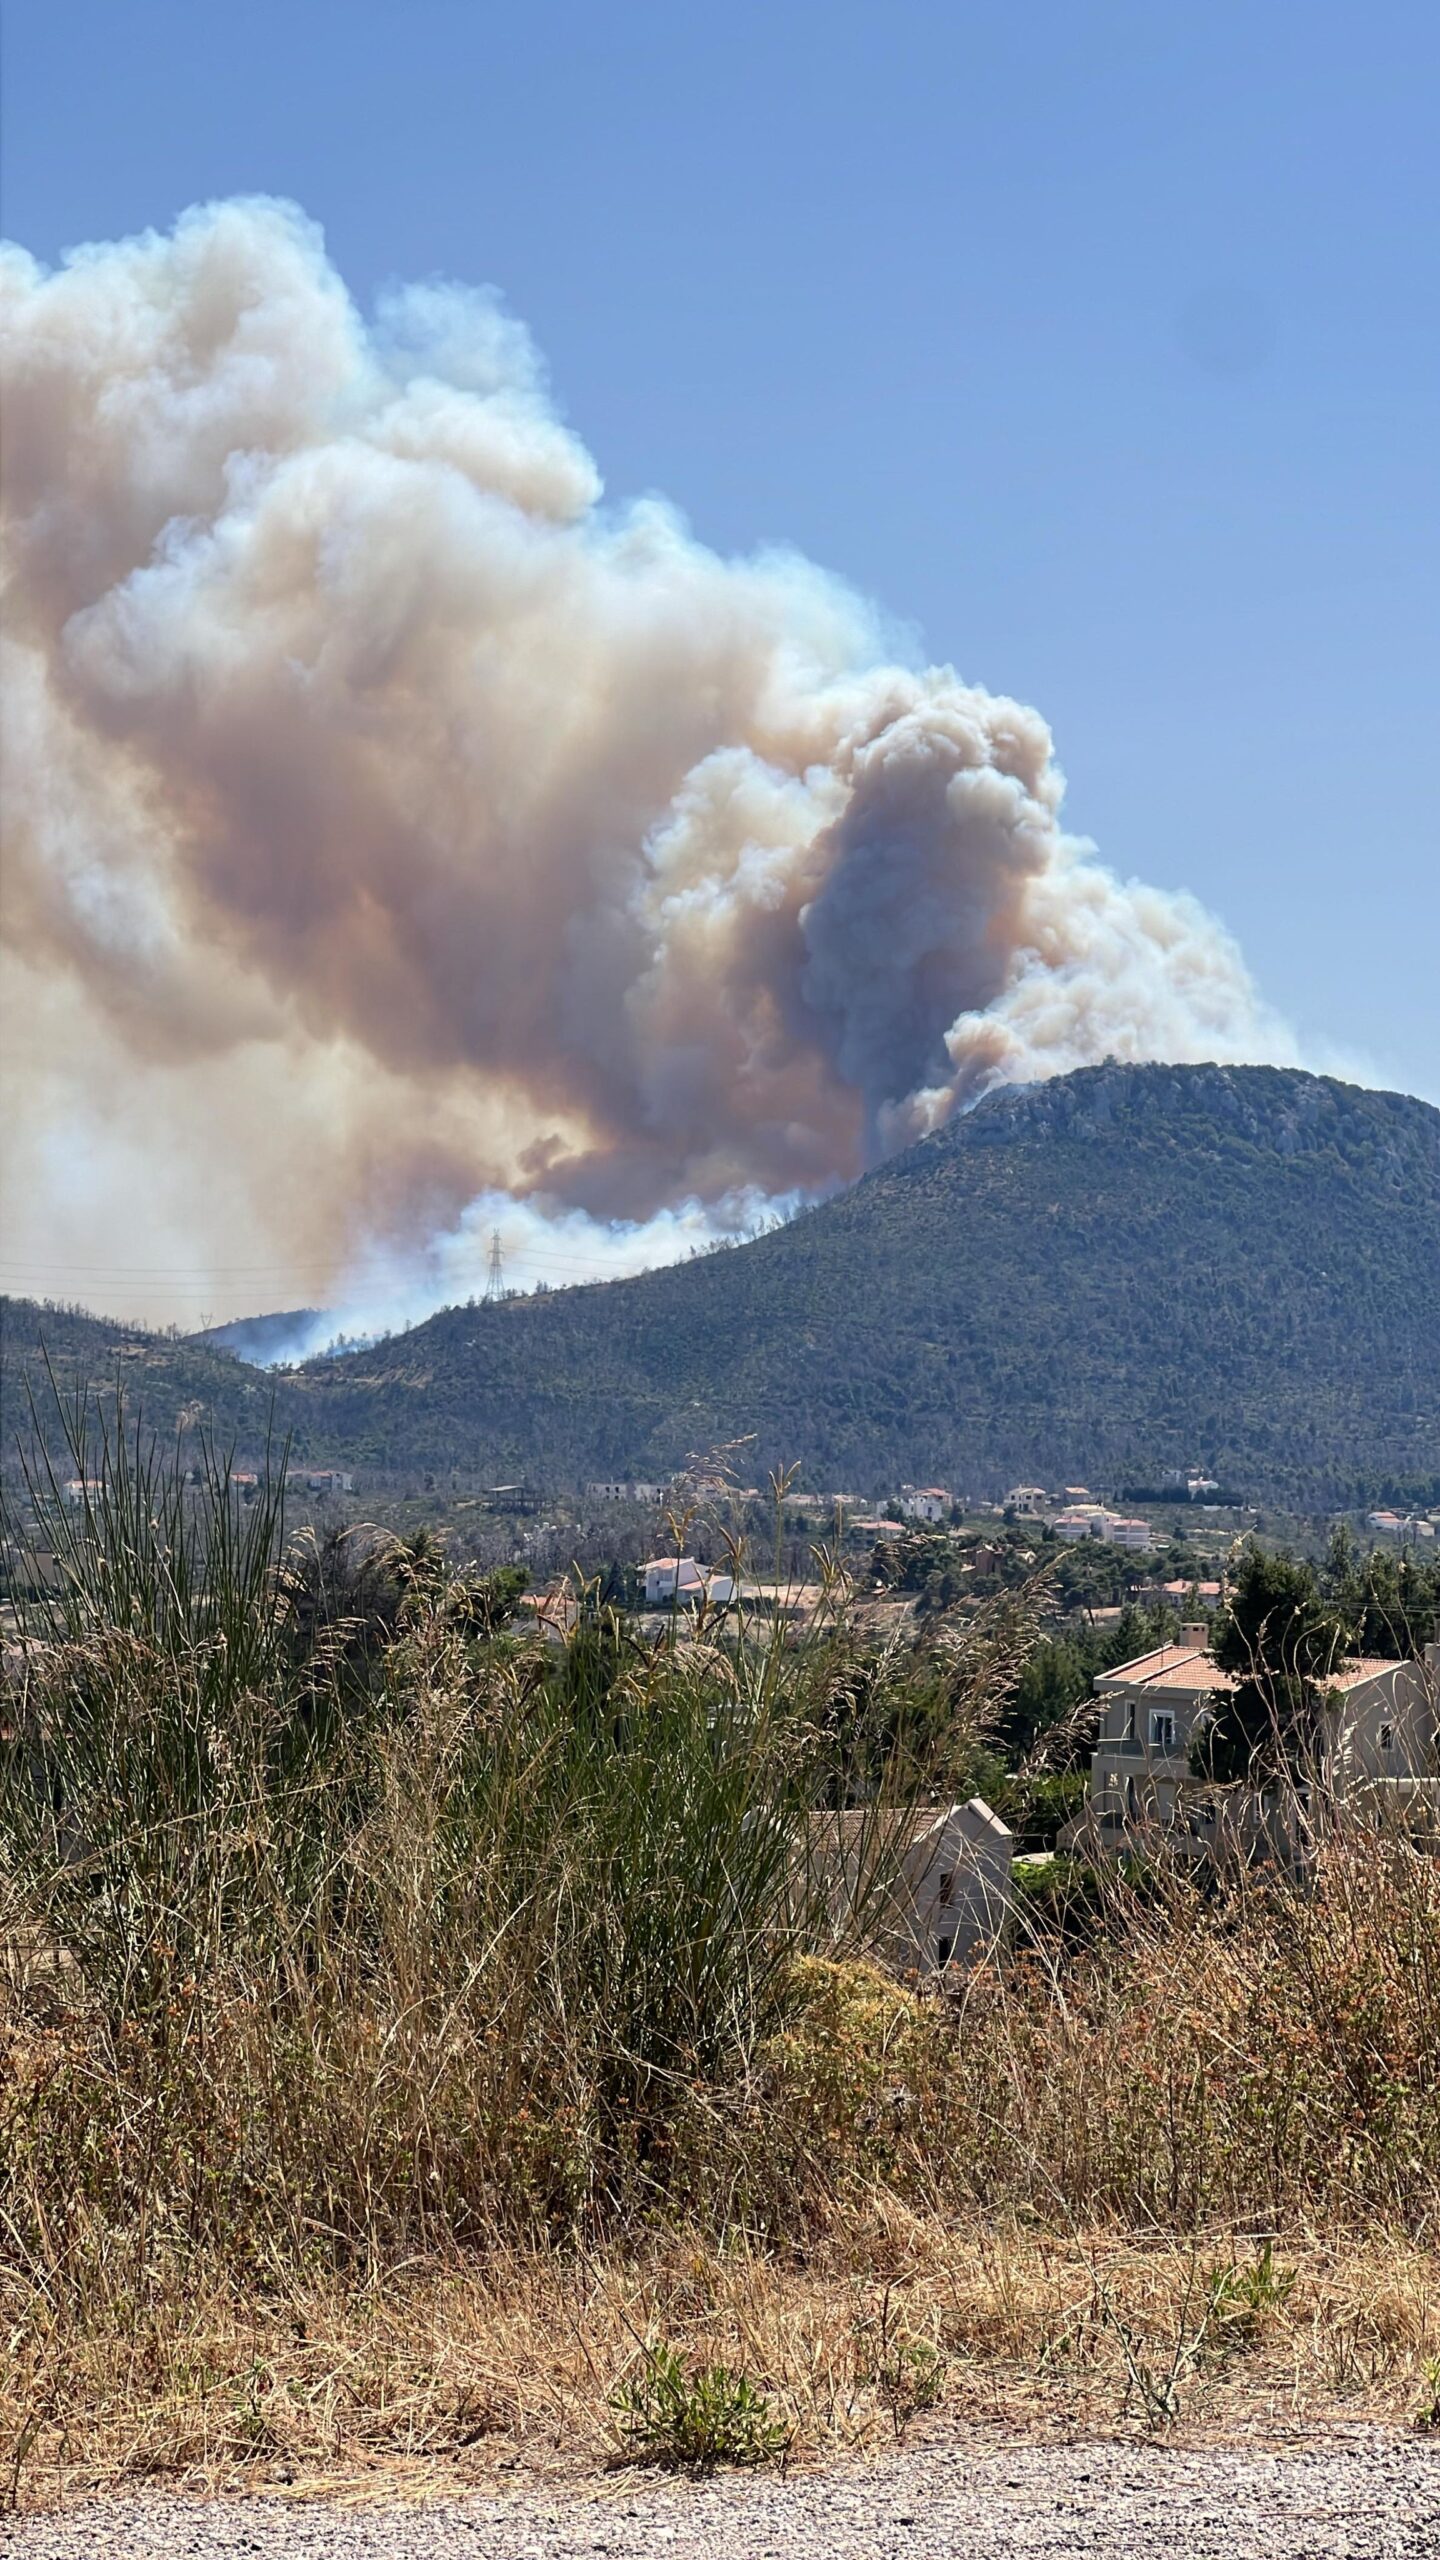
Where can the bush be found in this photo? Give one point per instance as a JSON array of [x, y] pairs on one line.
[[695, 2417]]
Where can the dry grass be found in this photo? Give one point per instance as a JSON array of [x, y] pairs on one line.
[[402, 2029], [437, 2376]]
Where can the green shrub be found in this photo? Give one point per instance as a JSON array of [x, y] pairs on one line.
[[696, 2416]]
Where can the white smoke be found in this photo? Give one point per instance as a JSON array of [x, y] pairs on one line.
[[388, 823]]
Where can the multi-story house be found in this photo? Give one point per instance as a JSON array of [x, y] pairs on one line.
[[1376, 1759]]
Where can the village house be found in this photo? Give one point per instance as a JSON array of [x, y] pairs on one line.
[[681, 1579], [1027, 1501], [925, 1502], [931, 1888], [1377, 1757], [1394, 1524], [1092, 1520]]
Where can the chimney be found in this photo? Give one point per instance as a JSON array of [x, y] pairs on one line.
[[1196, 1632]]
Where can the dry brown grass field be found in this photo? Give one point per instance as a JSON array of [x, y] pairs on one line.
[[416, 2056]]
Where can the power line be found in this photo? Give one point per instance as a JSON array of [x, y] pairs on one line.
[[202, 1273]]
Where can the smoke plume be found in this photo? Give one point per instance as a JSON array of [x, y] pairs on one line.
[[388, 821]]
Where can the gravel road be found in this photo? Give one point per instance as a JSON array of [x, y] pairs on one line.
[[1366, 2497]]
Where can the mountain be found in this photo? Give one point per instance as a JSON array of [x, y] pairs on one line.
[[1120, 1271], [52, 1354]]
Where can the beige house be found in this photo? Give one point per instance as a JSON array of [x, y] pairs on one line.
[[929, 1889], [1377, 1757]]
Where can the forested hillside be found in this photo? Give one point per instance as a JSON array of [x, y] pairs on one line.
[[49, 1355], [1122, 1270]]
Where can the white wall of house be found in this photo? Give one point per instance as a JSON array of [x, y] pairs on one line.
[[1383, 1726], [672, 1578], [958, 1880], [940, 1897]]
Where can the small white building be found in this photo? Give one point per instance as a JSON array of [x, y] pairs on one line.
[[1394, 1524], [330, 1480], [925, 1502], [680, 1581], [77, 1491], [1080, 1520], [929, 1888], [1027, 1501]]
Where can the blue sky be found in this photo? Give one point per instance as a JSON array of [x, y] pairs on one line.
[[1098, 341]]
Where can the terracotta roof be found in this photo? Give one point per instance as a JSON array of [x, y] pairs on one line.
[[1170, 1666], [1364, 1667], [1188, 1667]]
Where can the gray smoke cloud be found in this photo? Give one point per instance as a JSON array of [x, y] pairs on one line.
[[388, 821]]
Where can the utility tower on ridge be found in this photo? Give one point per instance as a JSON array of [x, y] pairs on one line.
[[495, 1276]]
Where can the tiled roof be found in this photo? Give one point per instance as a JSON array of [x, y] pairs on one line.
[[1189, 1667], [1170, 1666], [1364, 1667]]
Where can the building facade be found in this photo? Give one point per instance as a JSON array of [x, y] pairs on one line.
[[1376, 1760]]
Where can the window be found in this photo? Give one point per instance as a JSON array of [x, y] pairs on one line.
[[1387, 1737], [1162, 1729], [947, 1879], [943, 1950]]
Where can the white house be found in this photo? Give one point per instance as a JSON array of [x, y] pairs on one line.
[[1092, 1520], [928, 1888], [1027, 1500], [1080, 1520], [1390, 1524], [1136, 1535], [679, 1579], [925, 1502]]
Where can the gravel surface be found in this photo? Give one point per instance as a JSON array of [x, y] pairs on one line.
[[1368, 2497]]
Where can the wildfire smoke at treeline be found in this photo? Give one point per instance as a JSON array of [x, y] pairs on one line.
[[388, 821]]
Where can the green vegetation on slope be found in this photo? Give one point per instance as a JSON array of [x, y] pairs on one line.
[[1125, 1270]]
